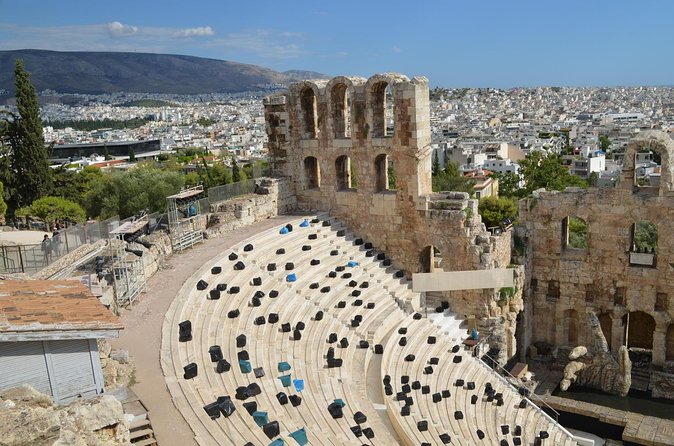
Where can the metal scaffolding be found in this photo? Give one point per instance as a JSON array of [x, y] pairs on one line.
[[184, 211], [128, 270]]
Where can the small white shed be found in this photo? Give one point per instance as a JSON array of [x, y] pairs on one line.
[[48, 332]]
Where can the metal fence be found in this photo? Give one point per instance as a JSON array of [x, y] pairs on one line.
[[30, 259], [157, 221], [227, 191], [259, 171]]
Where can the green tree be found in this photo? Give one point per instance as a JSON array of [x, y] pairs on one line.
[[567, 149], [391, 173], [3, 205], [28, 176], [126, 193], [645, 236], [132, 155], [546, 171], [73, 185], [436, 164], [494, 210], [48, 209], [577, 233], [593, 179], [205, 122], [106, 152], [237, 174], [450, 179], [191, 179], [508, 184], [604, 143]]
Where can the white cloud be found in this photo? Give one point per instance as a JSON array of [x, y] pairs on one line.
[[261, 46], [263, 42], [396, 49], [117, 29], [199, 31]]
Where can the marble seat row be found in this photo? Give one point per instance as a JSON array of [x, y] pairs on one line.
[[210, 321], [344, 306]]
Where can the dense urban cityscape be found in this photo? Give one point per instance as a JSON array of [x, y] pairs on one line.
[[353, 223], [479, 129]]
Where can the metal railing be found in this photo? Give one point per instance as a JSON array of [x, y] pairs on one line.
[[227, 191], [538, 403], [30, 259]]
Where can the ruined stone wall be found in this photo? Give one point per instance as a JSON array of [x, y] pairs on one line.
[[313, 129], [273, 197], [28, 417], [608, 277]]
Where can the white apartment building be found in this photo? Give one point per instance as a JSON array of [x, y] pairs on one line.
[[583, 166], [501, 166]]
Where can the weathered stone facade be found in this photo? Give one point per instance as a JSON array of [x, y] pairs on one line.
[[611, 276], [344, 149]]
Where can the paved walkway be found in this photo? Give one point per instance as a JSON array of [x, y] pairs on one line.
[[142, 333]]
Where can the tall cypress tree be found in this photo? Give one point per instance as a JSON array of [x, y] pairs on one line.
[[236, 172], [30, 172], [435, 169]]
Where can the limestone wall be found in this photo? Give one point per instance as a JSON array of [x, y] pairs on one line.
[[28, 417], [342, 159], [609, 276]]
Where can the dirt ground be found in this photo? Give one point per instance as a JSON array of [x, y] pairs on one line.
[[22, 237], [142, 329]]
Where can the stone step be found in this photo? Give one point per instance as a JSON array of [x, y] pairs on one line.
[[147, 442], [141, 422], [140, 433]]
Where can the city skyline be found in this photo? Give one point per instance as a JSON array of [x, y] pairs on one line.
[[485, 44]]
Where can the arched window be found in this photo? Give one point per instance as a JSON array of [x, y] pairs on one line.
[[430, 259], [644, 244], [308, 100], [639, 330], [312, 174], [574, 233], [344, 173], [341, 110], [384, 173], [647, 168], [382, 110]]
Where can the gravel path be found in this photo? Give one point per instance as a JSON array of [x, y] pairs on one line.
[[142, 333]]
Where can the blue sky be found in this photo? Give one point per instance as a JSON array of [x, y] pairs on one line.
[[454, 43]]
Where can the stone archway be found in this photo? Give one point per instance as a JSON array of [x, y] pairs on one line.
[[312, 177], [640, 330], [340, 99], [430, 260], [309, 112]]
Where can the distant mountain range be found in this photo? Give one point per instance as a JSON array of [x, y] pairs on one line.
[[109, 72]]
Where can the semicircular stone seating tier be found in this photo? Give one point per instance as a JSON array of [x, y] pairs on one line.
[[284, 346]]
